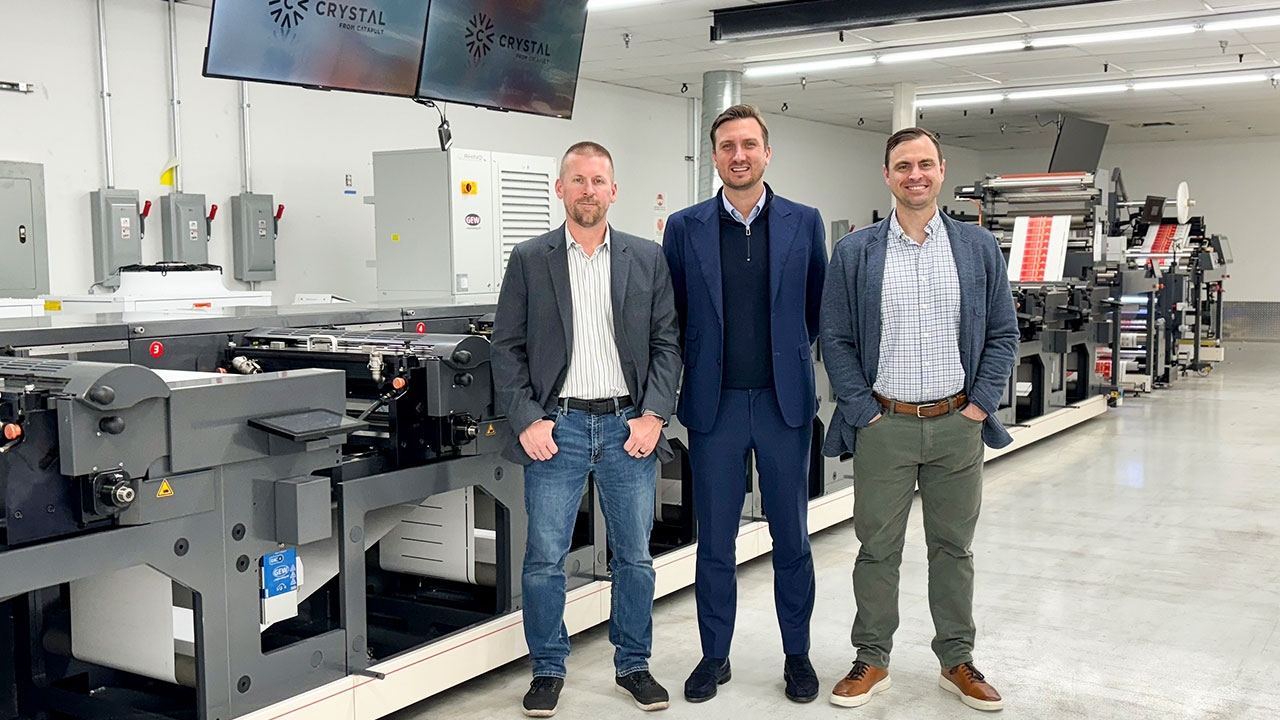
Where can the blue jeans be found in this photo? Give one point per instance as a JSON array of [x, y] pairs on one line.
[[589, 444]]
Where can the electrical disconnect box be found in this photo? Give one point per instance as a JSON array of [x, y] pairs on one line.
[[24, 252], [117, 233], [446, 222], [185, 228], [253, 237]]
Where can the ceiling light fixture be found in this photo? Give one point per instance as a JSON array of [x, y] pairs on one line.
[[821, 63], [1144, 33], [1204, 81], [1067, 91], [954, 51], [1247, 23], [832, 63], [987, 98], [597, 5]]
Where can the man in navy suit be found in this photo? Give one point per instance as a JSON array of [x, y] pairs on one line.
[[747, 267]]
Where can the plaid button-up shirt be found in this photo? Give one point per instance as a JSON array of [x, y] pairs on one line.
[[920, 317]]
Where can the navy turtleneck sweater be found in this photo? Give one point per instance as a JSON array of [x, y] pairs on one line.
[[744, 267]]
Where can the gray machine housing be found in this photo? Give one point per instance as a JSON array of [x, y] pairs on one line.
[[184, 227], [117, 233], [24, 246], [253, 237]]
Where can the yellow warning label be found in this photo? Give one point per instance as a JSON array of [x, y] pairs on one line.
[[166, 490], [491, 431], [395, 237], [470, 187], [53, 305]]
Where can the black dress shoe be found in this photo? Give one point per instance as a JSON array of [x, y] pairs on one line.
[[802, 681], [703, 681]]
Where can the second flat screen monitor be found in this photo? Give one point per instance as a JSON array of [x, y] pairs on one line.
[[519, 55]]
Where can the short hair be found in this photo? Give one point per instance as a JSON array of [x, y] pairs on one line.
[[586, 148], [740, 112], [907, 135]]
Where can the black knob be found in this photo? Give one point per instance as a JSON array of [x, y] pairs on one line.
[[111, 424], [462, 357], [102, 394], [463, 379]]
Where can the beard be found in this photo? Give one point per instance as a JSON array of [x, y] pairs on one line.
[[757, 174], [587, 214]]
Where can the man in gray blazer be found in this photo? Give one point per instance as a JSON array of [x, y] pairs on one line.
[[585, 362], [919, 338]]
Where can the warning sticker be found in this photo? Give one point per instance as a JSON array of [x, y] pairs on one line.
[[470, 187], [52, 305], [491, 431], [166, 490]]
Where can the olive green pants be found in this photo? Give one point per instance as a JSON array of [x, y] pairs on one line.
[[894, 454]]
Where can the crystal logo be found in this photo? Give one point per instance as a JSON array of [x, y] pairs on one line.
[[479, 35], [288, 13]]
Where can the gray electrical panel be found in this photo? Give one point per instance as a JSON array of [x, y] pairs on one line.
[[253, 237], [185, 229], [24, 249], [117, 233]]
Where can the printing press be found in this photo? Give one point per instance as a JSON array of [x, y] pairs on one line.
[[1050, 229], [1174, 326], [149, 512]]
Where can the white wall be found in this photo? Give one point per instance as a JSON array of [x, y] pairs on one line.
[[1222, 176], [839, 170], [305, 142]]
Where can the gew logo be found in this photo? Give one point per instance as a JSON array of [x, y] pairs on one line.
[[288, 13], [479, 35]]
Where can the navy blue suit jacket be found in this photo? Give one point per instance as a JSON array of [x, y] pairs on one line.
[[797, 266]]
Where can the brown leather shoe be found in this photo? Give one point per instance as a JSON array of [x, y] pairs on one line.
[[860, 684], [973, 689]]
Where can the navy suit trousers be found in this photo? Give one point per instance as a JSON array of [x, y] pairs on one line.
[[749, 420]]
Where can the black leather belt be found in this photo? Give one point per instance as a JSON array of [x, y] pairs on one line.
[[597, 407]]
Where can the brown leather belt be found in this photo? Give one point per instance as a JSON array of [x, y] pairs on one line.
[[926, 410]]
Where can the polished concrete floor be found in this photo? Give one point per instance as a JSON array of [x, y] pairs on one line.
[[1127, 568]]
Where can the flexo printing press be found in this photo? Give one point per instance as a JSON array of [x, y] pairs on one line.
[[1050, 229], [276, 511], [286, 511], [302, 512], [1098, 277]]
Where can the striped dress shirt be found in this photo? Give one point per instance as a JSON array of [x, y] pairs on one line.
[[920, 317], [595, 368]]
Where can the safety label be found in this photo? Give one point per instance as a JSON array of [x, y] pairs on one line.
[[166, 490], [279, 573]]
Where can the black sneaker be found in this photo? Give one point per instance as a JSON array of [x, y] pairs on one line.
[[704, 680], [646, 691], [544, 693], [802, 681]]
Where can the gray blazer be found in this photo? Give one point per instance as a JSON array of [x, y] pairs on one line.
[[850, 327], [533, 331]]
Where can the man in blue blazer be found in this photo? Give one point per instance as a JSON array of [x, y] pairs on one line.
[[919, 338], [747, 268]]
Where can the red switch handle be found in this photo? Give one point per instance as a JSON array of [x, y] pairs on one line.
[[213, 211], [279, 212], [146, 208]]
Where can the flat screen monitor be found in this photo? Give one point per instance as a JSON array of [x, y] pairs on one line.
[[519, 55], [1079, 146], [372, 46]]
